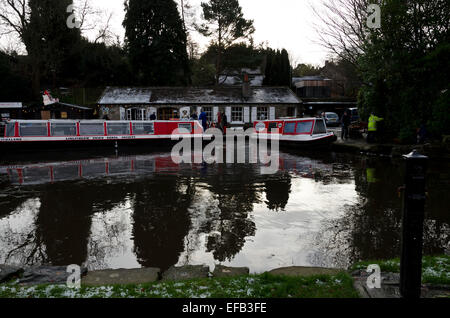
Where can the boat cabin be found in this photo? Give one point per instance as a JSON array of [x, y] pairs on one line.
[[37, 130]]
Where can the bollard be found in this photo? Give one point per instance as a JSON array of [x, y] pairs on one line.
[[412, 225]]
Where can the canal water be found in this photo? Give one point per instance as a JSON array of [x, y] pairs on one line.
[[142, 210]]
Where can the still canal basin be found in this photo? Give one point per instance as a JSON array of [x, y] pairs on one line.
[[143, 210]]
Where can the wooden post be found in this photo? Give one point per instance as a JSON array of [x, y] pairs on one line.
[[412, 225]]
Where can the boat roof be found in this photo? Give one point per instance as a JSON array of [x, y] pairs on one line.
[[289, 119], [94, 121]]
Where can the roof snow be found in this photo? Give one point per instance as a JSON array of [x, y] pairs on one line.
[[185, 95], [126, 96]]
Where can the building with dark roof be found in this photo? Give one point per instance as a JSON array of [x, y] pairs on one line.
[[242, 104]]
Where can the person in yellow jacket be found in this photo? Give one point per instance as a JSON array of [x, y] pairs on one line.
[[372, 127]]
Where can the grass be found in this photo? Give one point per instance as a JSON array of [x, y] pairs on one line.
[[435, 269], [252, 286]]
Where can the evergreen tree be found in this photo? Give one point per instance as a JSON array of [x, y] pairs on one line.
[[278, 68], [226, 25], [52, 44], [156, 42]]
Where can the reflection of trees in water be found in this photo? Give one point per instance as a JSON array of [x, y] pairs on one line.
[[64, 221], [161, 220], [372, 228], [236, 191], [13, 199], [18, 241], [59, 232], [278, 189]]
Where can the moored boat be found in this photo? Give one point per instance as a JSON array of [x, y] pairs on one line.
[[26, 134], [299, 132]]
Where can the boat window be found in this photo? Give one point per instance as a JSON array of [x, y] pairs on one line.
[[33, 129], [10, 128], [118, 128], [64, 129], [143, 129], [91, 129], [320, 128], [304, 127], [289, 128], [183, 127]]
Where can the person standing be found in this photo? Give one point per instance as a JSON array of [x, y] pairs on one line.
[[224, 122], [204, 119], [153, 117], [346, 121], [219, 121], [372, 128]]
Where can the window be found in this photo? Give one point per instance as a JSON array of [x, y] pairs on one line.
[[209, 113], [136, 114], [10, 128], [64, 129], [304, 127], [184, 127], [118, 128], [91, 129], [143, 128], [289, 128], [33, 129], [262, 113], [291, 112], [320, 128], [237, 114]]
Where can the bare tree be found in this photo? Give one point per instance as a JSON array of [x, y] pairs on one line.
[[96, 21], [14, 18], [342, 27]]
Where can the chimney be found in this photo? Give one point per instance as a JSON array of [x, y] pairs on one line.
[[246, 92]]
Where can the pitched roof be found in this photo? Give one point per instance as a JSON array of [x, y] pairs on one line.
[[113, 95], [187, 95]]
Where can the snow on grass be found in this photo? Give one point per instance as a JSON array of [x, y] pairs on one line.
[[255, 286]]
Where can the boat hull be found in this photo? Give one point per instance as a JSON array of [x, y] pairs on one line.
[[48, 146], [294, 142]]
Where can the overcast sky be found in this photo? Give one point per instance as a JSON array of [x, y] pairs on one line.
[[285, 24], [282, 23]]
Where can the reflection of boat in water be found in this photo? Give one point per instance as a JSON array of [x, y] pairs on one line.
[[42, 173], [301, 132], [39, 134], [138, 165]]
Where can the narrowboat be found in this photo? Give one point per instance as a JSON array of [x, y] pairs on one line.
[[300, 132], [43, 134]]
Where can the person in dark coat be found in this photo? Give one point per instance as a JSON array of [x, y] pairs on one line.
[[153, 117], [204, 119], [346, 121]]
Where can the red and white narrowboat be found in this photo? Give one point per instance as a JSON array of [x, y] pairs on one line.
[[23, 134], [296, 132]]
